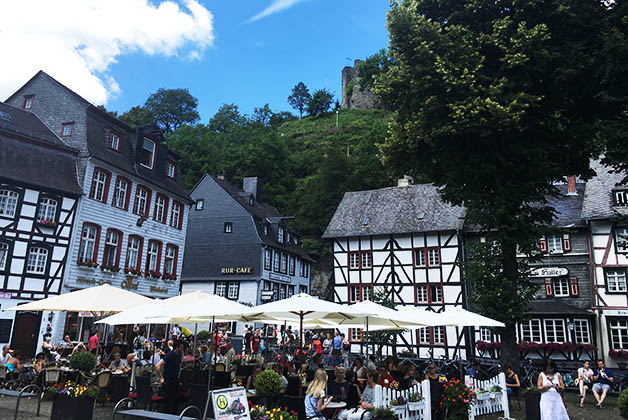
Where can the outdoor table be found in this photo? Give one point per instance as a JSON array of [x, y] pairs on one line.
[[336, 405]]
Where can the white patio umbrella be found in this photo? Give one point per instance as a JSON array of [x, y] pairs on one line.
[[450, 317], [99, 300]]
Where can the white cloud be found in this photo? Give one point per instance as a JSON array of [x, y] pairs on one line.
[[76, 41], [274, 7]]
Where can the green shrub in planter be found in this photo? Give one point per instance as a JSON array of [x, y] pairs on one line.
[[83, 361], [622, 403], [268, 385], [383, 413], [202, 335]]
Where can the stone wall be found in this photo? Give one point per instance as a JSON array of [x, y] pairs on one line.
[[352, 96]]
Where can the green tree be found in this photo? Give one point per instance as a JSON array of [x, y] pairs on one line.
[[494, 101], [114, 114], [373, 65], [299, 98], [138, 116], [320, 102], [172, 108]]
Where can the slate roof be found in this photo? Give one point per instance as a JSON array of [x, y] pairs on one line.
[[415, 208], [568, 207], [598, 194], [32, 155], [555, 307]]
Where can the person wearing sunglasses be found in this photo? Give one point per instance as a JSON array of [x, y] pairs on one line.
[[436, 390]]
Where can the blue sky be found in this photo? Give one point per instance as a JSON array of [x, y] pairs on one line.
[[254, 63]]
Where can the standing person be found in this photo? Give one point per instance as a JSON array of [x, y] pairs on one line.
[[603, 379], [346, 350], [551, 385], [371, 397], [318, 346], [247, 339], [315, 401], [327, 344], [138, 344], [337, 342], [436, 390], [256, 342], [168, 369], [585, 380], [175, 333], [92, 343]]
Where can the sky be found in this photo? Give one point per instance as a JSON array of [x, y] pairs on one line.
[[247, 52]]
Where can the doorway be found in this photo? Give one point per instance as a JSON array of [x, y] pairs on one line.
[[26, 333]]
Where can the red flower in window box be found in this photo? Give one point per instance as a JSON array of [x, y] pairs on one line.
[[48, 222], [169, 277], [153, 274], [567, 346], [132, 271], [488, 346], [111, 268], [587, 347], [88, 264], [614, 354]]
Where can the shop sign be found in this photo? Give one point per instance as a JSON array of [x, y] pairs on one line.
[[549, 272], [279, 277], [86, 314], [267, 294], [608, 312], [155, 289], [129, 283], [85, 280], [230, 404], [236, 270]]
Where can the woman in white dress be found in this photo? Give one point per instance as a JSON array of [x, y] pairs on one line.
[[584, 380], [551, 384]]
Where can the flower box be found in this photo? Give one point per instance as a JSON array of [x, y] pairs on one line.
[[398, 409], [484, 396], [90, 265], [416, 406], [169, 277], [110, 268], [48, 223], [495, 395], [67, 408], [152, 274], [132, 272]]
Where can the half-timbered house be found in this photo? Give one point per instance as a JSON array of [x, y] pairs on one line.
[[132, 219], [405, 243], [605, 209], [39, 193]]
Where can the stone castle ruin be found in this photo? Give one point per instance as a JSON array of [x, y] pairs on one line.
[[352, 96]]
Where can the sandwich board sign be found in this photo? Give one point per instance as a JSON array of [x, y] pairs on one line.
[[230, 404]]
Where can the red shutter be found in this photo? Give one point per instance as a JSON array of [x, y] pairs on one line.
[[543, 244], [566, 242], [573, 286], [549, 290]]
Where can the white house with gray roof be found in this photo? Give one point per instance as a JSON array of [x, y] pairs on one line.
[[406, 241], [605, 209]]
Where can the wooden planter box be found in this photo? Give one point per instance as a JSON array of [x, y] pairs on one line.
[[533, 408], [65, 408], [416, 406]]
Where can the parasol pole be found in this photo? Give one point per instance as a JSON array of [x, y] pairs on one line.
[[209, 376]]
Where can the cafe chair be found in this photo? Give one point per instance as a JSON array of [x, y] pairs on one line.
[[145, 392], [220, 367], [102, 381], [53, 376]]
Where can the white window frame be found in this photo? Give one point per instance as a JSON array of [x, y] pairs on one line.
[[233, 289], [582, 332], [365, 260], [120, 192], [268, 259], [621, 239], [47, 208], [160, 208], [221, 288], [200, 204], [171, 169], [436, 293], [110, 253], [433, 257], [4, 255], [621, 198], [284, 263], [228, 228], [276, 261], [354, 260], [616, 280], [355, 335], [439, 336], [133, 252], [169, 259], [175, 214], [291, 264], [531, 330], [553, 327], [149, 149], [141, 201], [561, 286], [9, 200], [422, 294], [485, 334], [99, 181], [152, 256], [280, 232], [424, 336], [420, 257], [37, 258], [113, 141], [618, 331], [66, 129], [555, 244], [88, 243]]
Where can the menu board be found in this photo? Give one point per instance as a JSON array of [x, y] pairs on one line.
[[230, 404]]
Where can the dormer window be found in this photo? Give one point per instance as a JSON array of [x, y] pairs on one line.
[[200, 204], [171, 169], [288, 238], [621, 198], [113, 141], [28, 102], [148, 153], [66, 129], [265, 229], [280, 235]]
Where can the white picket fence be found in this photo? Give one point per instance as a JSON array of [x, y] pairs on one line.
[[410, 411], [489, 402]]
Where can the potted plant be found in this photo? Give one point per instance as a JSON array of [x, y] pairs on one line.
[[131, 271], [72, 401], [110, 268], [84, 361], [268, 385], [532, 398], [169, 277], [398, 405], [496, 392], [151, 274], [87, 264], [416, 402], [46, 222], [457, 399], [483, 394], [383, 413]]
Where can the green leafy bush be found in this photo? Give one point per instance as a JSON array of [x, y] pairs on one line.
[[268, 384], [83, 361], [383, 413], [202, 335], [622, 403]]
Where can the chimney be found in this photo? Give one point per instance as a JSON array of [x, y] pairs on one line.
[[571, 185], [406, 181], [253, 185]]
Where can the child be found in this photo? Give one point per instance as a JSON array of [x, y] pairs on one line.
[[314, 404]]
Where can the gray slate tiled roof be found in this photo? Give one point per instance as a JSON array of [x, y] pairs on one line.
[[415, 208], [568, 207], [555, 307], [598, 194]]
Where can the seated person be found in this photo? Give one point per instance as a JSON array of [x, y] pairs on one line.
[[409, 377], [80, 347], [474, 370], [339, 387], [49, 348], [119, 364], [188, 356], [385, 379], [284, 381], [250, 382], [512, 380], [7, 353], [371, 397], [130, 359], [14, 364], [359, 369], [146, 358], [67, 343]]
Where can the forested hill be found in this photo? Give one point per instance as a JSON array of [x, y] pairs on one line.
[[306, 165]]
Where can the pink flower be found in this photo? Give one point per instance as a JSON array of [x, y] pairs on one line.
[[466, 401]]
